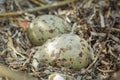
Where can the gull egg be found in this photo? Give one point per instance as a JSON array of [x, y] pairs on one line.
[[68, 50], [58, 76], [46, 27]]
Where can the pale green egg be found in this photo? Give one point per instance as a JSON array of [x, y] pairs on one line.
[[46, 27], [66, 50]]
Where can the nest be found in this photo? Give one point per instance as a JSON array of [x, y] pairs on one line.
[[97, 21]]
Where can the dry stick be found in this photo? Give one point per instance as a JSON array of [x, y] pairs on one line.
[[115, 29], [36, 9], [4, 71], [104, 71], [37, 2], [95, 59]]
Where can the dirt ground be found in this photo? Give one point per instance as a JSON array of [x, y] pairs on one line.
[[98, 22]]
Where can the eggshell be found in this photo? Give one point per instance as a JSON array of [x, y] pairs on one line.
[[67, 50], [46, 27]]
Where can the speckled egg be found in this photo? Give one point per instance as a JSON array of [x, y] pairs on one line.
[[46, 27], [66, 50], [58, 76]]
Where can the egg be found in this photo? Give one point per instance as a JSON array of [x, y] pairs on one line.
[[59, 76], [46, 27], [68, 50]]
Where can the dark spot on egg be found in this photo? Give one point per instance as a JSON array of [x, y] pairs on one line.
[[64, 59], [86, 58], [80, 54], [82, 48], [36, 49], [49, 37], [88, 48], [63, 49], [71, 62], [39, 39], [51, 19], [46, 59], [35, 24], [40, 26], [42, 39], [44, 21], [32, 38], [51, 31], [83, 45], [70, 59], [53, 24], [71, 39], [61, 61], [81, 40], [40, 31], [45, 46], [43, 55]]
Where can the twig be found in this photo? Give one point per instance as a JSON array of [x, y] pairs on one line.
[[17, 4], [73, 28], [11, 46], [98, 34], [115, 29], [111, 53], [87, 4], [28, 3], [92, 16], [4, 71], [105, 63], [95, 59], [36, 9], [37, 2], [102, 22], [104, 71]]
